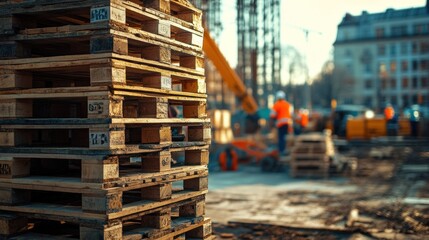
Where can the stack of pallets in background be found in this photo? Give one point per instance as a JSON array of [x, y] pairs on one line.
[[311, 155], [87, 135]]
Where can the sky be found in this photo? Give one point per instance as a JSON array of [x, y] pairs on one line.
[[320, 17]]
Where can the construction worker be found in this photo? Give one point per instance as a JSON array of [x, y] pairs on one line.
[[301, 121], [414, 118], [281, 112], [391, 120]]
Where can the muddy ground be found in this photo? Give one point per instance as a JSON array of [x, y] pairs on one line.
[[386, 197]]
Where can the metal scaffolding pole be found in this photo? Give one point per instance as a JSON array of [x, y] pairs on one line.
[[259, 50]]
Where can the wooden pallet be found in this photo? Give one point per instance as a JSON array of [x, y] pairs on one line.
[[309, 165], [100, 102], [17, 15], [182, 220], [87, 138], [105, 69], [315, 170]]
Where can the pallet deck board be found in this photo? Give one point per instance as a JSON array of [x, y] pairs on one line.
[[75, 214], [76, 123], [126, 181]]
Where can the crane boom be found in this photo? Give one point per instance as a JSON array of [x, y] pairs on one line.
[[229, 76]]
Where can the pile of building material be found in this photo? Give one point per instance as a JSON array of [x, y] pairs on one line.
[[95, 97], [311, 155]]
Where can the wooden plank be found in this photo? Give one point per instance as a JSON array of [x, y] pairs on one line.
[[196, 184], [14, 108], [142, 206], [157, 193], [14, 79], [153, 108], [100, 44], [157, 53], [196, 209], [198, 86], [107, 74], [76, 215], [156, 134], [156, 162], [197, 157], [201, 232], [12, 224], [96, 171], [190, 38], [13, 138], [112, 137], [102, 203], [14, 167], [160, 5], [159, 220], [10, 196], [11, 49], [199, 133], [112, 12], [196, 110], [160, 27], [158, 81], [105, 106], [104, 232]]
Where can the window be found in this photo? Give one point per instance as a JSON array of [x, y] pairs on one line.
[[405, 101], [414, 47], [379, 32], [404, 48], [393, 66], [393, 50], [368, 68], [424, 65], [381, 50], [424, 47], [415, 65], [383, 83], [420, 28], [394, 100], [414, 99], [424, 82], [404, 82], [398, 31], [404, 65], [415, 83], [393, 83], [348, 53], [368, 84]]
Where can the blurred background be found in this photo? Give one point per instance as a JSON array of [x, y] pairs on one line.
[[359, 71]]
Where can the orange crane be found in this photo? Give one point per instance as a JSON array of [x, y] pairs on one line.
[[229, 76], [257, 150]]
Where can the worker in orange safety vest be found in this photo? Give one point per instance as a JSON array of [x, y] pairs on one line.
[[391, 121], [281, 112], [301, 121]]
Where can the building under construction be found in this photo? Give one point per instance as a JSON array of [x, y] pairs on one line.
[[258, 52]]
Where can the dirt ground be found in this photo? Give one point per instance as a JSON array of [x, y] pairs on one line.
[[384, 198]]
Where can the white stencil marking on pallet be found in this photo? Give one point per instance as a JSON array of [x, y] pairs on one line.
[[166, 82], [95, 107], [100, 14], [99, 138]]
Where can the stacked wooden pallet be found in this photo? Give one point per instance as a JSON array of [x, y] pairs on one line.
[[311, 155], [86, 130]]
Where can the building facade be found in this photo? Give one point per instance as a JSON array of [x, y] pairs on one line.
[[385, 58]]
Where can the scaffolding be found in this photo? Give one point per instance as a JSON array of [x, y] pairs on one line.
[[218, 96], [259, 48]]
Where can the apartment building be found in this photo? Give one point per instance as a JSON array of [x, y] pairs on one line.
[[385, 56]]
